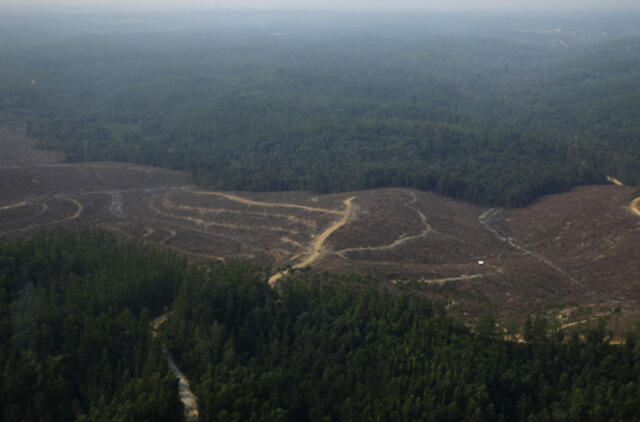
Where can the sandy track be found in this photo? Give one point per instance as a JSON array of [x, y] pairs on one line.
[[635, 206], [485, 220], [78, 212], [614, 181], [166, 203], [266, 204], [43, 208], [76, 215], [316, 249], [584, 321], [319, 242], [400, 240], [16, 205], [188, 399], [442, 280], [217, 211]]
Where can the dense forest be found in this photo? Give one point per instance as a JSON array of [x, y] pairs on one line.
[[490, 113], [322, 348], [76, 344]]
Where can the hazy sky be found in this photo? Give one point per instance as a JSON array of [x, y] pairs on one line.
[[150, 5]]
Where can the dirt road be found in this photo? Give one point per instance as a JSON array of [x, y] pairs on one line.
[[635, 206], [317, 245], [614, 181], [463, 277], [488, 221], [400, 240], [188, 399], [16, 205], [266, 204]]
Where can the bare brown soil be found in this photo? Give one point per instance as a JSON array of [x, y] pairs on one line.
[[569, 250]]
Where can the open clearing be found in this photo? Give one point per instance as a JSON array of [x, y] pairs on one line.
[[575, 248]]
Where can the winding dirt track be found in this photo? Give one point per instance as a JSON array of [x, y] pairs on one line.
[[318, 243], [400, 240], [76, 215], [167, 203], [43, 208], [635, 204], [188, 399], [267, 204]]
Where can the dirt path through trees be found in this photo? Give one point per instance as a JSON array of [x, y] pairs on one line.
[[188, 399]]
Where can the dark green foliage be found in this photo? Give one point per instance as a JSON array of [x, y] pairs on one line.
[[76, 345], [328, 349], [471, 116], [75, 341]]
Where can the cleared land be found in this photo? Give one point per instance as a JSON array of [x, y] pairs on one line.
[[569, 250]]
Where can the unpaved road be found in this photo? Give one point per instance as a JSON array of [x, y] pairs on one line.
[[318, 243], [463, 277], [635, 206], [267, 204], [16, 205], [188, 399], [615, 181], [400, 240], [43, 208], [485, 220]]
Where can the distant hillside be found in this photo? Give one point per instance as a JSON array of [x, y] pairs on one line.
[[493, 117]]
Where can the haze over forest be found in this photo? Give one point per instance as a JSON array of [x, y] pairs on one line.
[[359, 5], [412, 210]]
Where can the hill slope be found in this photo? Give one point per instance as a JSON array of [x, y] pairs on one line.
[[566, 250]]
